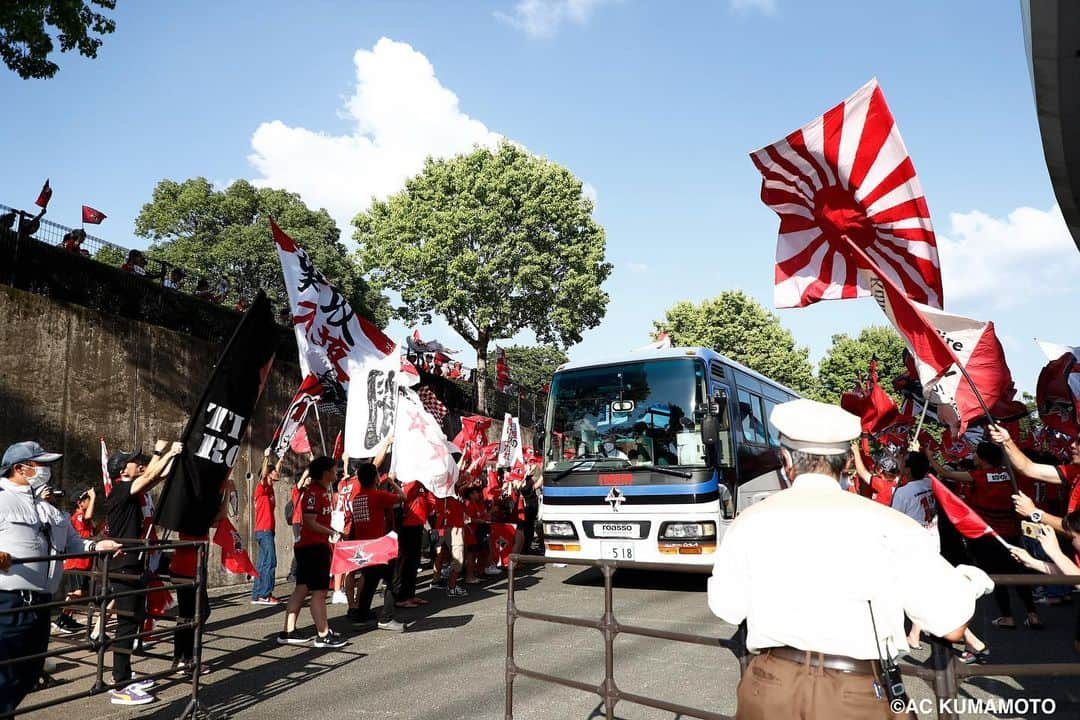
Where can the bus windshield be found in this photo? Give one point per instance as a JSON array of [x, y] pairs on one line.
[[635, 413]]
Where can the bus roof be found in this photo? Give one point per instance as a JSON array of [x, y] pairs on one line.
[[673, 352]]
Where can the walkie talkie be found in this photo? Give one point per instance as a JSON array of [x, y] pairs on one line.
[[891, 677]]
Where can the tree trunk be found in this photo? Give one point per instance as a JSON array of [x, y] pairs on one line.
[[481, 347]]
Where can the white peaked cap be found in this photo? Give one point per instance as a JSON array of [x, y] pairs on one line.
[[816, 428]]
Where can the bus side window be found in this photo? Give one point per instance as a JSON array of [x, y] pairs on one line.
[[774, 434], [750, 420]]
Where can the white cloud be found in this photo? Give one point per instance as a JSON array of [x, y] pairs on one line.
[[542, 18], [1008, 261], [765, 7], [400, 114]]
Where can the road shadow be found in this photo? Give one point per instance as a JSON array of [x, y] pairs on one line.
[[641, 580]]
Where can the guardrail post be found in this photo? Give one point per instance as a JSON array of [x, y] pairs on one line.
[[943, 663], [200, 583], [511, 615], [609, 629], [103, 610]]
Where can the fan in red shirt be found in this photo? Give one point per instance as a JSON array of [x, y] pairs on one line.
[[477, 534], [450, 522], [79, 585], [881, 485], [419, 504], [313, 556], [988, 490], [369, 508], [262, 590]]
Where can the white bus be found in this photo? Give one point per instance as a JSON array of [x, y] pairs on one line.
[[648, 457]]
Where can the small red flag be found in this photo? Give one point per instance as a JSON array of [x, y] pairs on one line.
[[502, 542], [92, 216], [300, 443], [233, 556], [339, 446], [44, 196], [354, 554], [966, 520]]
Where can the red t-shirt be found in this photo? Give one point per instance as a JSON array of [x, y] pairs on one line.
[[450, 513], [882, 490], [86, 530], [184, 560], [343, 501], [1070, 480], [297, 511], [990, 495], [419, 503], [264, 506], [475, 511], [315, 500], [369, 513]]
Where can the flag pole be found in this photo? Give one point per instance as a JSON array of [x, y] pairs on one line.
[[318, 423]]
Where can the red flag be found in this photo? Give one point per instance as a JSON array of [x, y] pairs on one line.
[[92, 216], [339, 446], [105, 479], [473, 429], [966, 520], [309, 393], [355, 554], [502, 542], [1055, 395], [158, 600], [233, 556], [847, 174], [432, 404], [300, 443], [44, 196], [502, 371]]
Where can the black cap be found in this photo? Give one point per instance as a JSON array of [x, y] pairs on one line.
[[118, 460]]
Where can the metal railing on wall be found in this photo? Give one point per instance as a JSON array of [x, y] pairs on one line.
[[943, 673], [102, 594]]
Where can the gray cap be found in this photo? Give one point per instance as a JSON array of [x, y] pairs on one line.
[[23, 452]]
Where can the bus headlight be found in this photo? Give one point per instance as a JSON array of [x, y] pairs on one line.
[[559, 530], [688, 531]]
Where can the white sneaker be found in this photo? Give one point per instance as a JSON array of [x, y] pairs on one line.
[[492, 570], [338, 598]]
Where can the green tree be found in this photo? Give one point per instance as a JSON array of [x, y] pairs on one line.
[[533, 366], [227, 234], [26, 40], [739, 327], [495, 242], [848, 357]]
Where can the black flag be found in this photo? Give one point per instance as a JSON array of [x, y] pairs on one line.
[[191, 495]]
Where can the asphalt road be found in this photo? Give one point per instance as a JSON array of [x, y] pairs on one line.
[[450, 662]]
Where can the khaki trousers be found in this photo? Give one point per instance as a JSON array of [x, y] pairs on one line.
[[774, 688]]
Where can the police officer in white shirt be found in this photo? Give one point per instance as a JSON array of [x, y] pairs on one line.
[[823, 579], [29, 527]]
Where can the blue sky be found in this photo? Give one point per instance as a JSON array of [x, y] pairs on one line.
[[654, 105]]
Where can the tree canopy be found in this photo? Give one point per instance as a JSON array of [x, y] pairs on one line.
[[736, 325], [494, 241], [849, 357], [226, 233], [532, 366], [27, 28]]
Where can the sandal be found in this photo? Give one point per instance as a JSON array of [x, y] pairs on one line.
[[1037, 624], [1005, 623], [981, 656]]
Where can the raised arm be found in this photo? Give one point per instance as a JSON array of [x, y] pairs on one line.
[[155, 471], [860, 468], [1021, 462], [944, 473], [89, 514]]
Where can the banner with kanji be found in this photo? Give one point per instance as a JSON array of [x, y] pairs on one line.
[[510, 452]]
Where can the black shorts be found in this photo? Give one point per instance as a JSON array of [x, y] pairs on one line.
[[77, 583], [313, 566]]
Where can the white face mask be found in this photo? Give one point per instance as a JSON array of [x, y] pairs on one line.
[[609, 446], [40, 478]]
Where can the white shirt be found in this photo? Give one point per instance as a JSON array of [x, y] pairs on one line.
[[801, 565], [916, 500], [31, 527]]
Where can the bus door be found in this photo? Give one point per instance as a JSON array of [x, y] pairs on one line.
[[758, 459]]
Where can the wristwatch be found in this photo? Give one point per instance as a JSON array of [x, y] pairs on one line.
[[1037, 516]]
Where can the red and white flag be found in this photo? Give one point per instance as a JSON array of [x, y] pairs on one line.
[[300, 444], [510, 451], [105, 479], [354, 554], [871, 403], [309, 392], [44, 196], [233, 556], [92, 216], [972, 344], [502, 371], [847, 174], [663, 340], [1057, 394], [502, 542], [338, 346], [432, 403], [421, 451], [409, 375]]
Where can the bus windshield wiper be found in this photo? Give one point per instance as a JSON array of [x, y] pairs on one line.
[[571, 469], [667, 471]]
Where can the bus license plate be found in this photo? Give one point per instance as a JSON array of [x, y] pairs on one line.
[[617, 551], [616, 530]]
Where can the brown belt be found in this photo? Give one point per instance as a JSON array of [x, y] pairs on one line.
[[824, 660]]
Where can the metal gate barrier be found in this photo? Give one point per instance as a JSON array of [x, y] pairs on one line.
[[943, 673], [98, 602], [610, 627]]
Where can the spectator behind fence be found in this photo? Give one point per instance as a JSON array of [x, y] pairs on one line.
[[78, 585], [202, 290], [176, 276], [135, 263], [73, 241], [29, 527]]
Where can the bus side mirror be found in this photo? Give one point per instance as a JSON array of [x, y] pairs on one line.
[[710, 431], [718, 409]]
